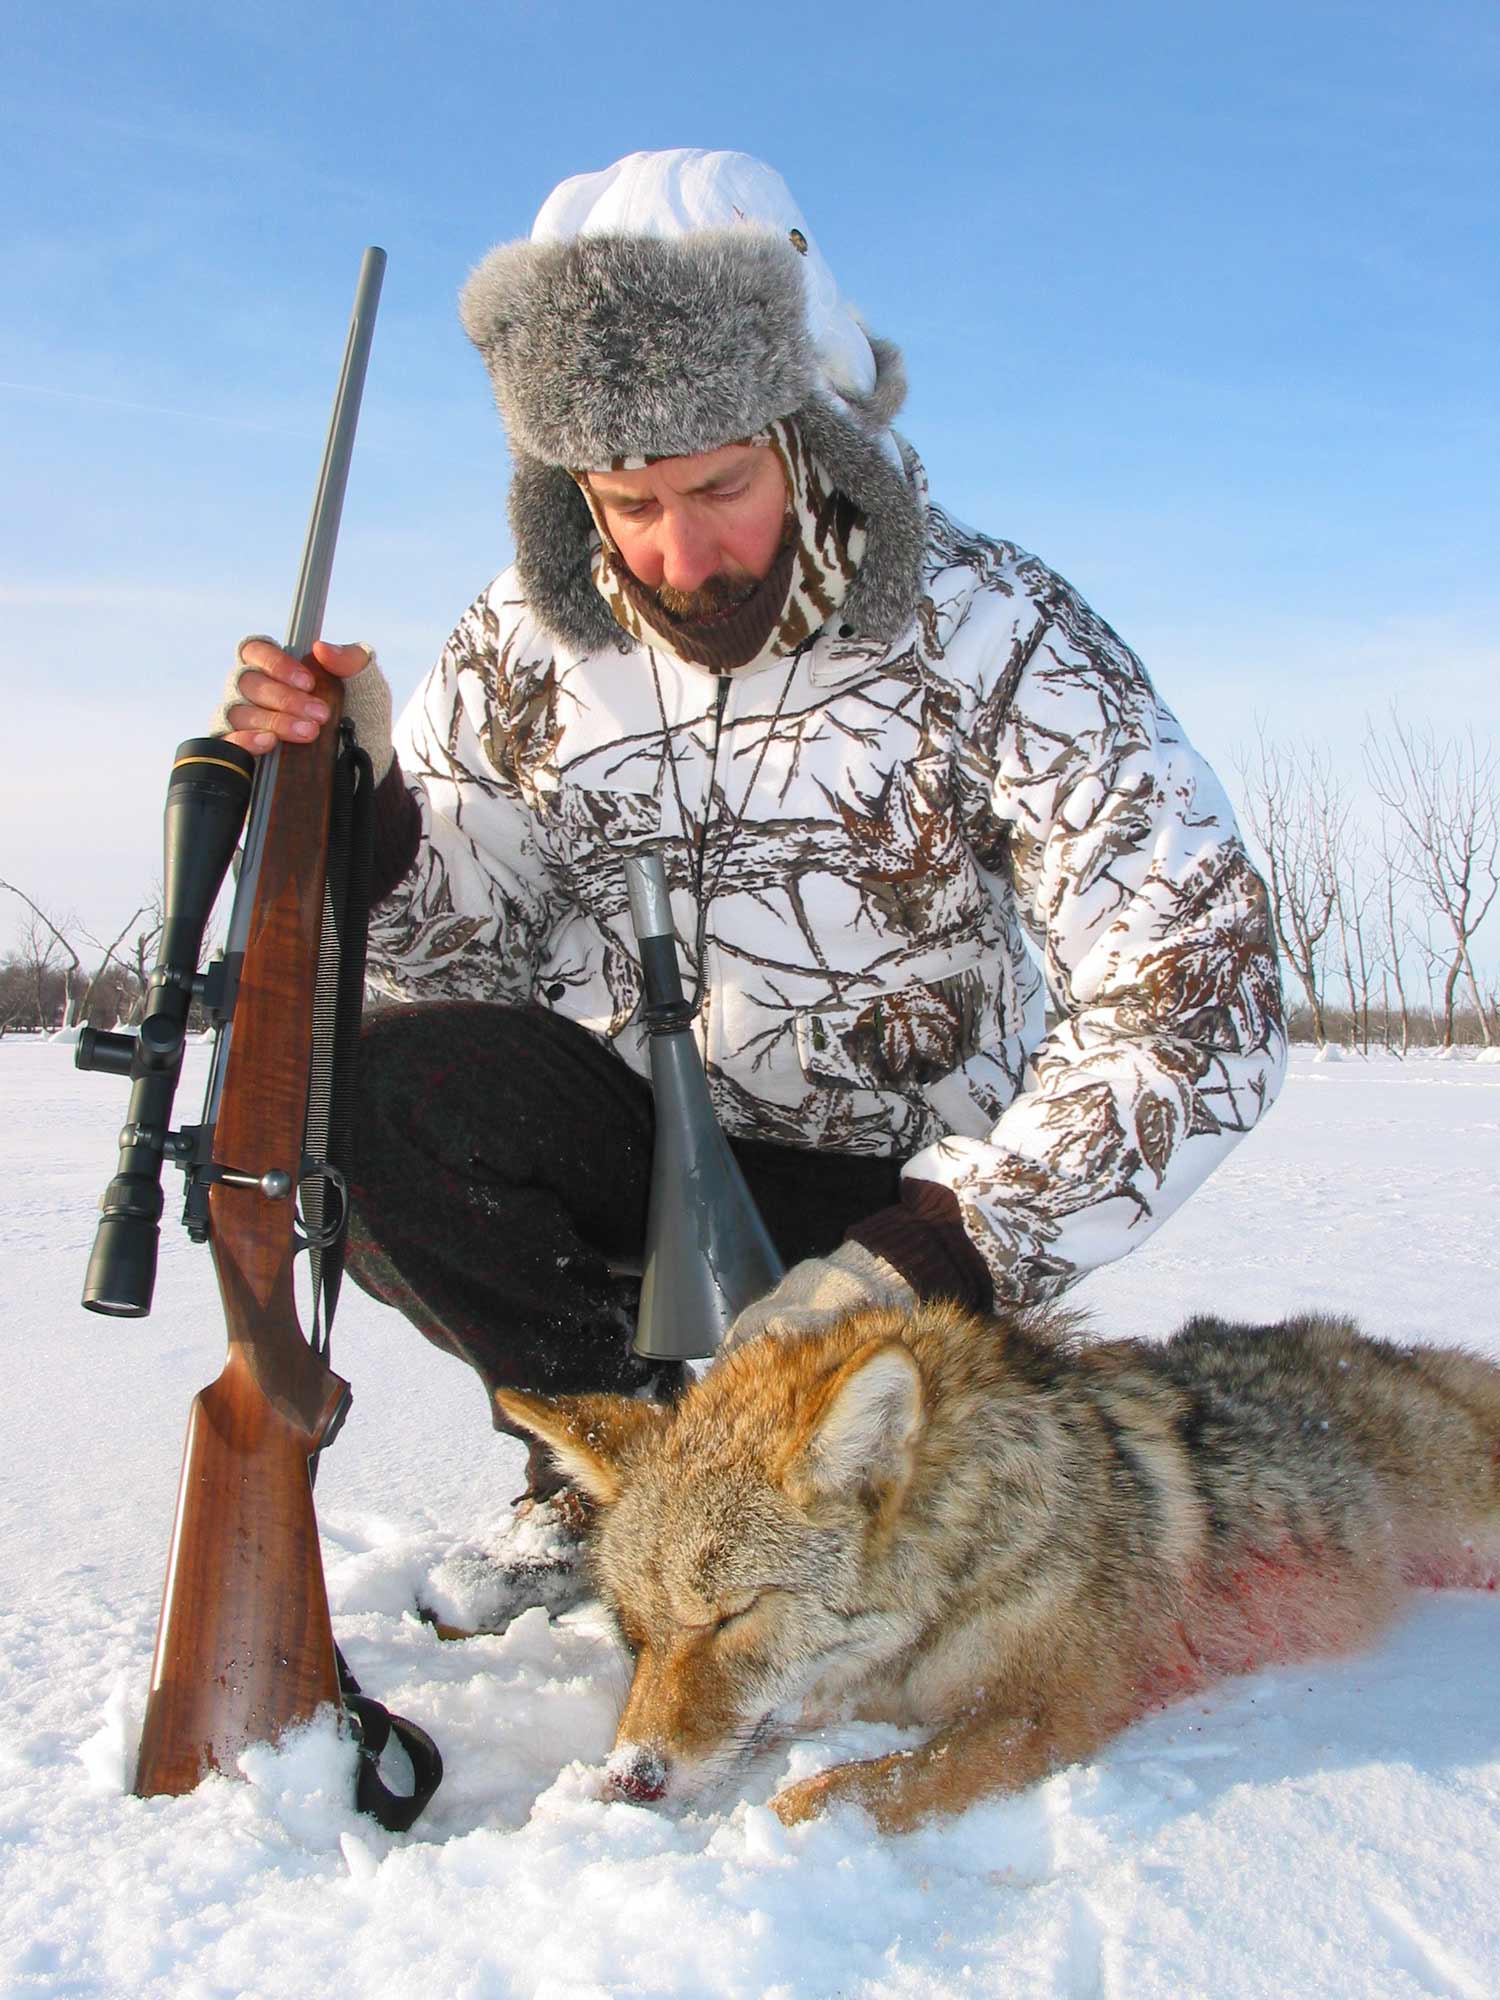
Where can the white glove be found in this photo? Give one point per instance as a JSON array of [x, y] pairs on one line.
[[820, 1290], [367, 703]]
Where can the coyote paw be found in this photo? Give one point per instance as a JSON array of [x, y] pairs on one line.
[[804, 1800], [877, 1786], [844, 1785]]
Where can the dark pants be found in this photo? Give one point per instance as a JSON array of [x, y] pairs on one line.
[[502, 1165]]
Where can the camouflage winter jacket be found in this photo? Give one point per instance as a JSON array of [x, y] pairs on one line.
[[896, 847]]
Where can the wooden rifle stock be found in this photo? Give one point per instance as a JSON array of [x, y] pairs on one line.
[[245, 1647]]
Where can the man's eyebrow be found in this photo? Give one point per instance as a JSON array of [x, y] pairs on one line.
[[615, 497], [611, 496], [716, 479]]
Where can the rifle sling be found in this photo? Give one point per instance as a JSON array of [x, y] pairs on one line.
[[374, 1725], [337, 1005]]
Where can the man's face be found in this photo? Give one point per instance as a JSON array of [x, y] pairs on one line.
[[701, 532]]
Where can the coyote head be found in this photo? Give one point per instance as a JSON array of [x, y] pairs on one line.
[[737, 1539]]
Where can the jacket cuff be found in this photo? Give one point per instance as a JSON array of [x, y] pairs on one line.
[[398, 834], [923, 1237]]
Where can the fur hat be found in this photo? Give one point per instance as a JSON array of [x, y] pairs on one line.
[[671, 304]]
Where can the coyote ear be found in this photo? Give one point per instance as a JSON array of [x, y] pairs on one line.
[[587, 1435], [859, 1438]]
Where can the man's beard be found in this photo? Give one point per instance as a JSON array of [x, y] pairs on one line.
[[714, 598], [717, 596]]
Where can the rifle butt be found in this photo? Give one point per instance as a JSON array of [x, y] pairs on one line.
[[244, 1649]]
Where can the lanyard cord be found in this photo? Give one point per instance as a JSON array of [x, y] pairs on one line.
[[704, 897]]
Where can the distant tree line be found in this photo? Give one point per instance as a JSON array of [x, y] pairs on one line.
[[1377, 924], [58, 975]]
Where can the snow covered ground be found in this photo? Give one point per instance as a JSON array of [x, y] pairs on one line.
[[1329, 1830]]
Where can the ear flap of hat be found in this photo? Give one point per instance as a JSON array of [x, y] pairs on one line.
[[554, 537], [855, 453]]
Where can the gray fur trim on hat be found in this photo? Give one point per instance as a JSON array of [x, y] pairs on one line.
[[554, 536], [618, 346], [610, 347]]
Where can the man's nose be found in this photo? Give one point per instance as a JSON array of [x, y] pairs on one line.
[[689, 553]]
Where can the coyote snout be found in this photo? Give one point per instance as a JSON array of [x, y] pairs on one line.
[[1011, 1538], [636, 1774]]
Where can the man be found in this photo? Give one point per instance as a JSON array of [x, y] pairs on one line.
[[887, 758]]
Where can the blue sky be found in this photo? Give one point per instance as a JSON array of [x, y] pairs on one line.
[[1198, 301]]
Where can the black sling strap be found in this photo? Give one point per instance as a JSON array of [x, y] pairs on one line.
[[337, 1004]]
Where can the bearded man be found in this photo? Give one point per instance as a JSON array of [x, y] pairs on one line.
[[908, 786]]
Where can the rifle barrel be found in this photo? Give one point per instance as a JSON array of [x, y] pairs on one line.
[[311, 599], [306, 623]]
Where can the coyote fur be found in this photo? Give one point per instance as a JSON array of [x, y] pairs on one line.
[[1006, 1535]]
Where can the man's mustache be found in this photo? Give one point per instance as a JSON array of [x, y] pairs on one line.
[[715, 596], [718, 595]]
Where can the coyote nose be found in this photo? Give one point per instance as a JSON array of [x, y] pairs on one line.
[[635, 1774]]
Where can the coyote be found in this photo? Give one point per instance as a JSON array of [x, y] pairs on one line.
[[1004, 1534]]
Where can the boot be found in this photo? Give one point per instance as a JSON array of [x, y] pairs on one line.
[[539, 1558]]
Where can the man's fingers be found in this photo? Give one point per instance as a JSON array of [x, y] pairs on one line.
[[270, 725], [264, 657], [275, 703], [342, 661], [259, 654], [272, 700], [258, 690], [256, 741]]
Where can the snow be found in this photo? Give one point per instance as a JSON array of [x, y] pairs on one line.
[[1329, 1830]]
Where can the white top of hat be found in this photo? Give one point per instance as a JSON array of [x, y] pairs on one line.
[[679, 192]]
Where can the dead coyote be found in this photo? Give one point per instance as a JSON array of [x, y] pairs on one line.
[[1009, 1536]]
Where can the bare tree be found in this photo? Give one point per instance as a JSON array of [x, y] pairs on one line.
[[1444, 801], [1394, 939], [1353, 893], [45, 938], [117, 985], [1300, 818], [143, 961], [16, 1001], [111, 958]]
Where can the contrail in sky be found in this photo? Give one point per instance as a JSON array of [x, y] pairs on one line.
[[152, 409]]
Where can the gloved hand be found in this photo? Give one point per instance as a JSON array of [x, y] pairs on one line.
[[820, 1290], [267, 698]]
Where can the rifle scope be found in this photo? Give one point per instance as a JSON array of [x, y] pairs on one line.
[[207, 797]]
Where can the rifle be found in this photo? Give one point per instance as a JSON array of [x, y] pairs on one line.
[[245, 1646]]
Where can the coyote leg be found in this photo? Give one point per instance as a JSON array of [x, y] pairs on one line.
[[978, 1757]]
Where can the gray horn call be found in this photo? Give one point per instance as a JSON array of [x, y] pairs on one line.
[[708, 1253]]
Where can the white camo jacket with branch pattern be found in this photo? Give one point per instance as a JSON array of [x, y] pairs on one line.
[[899, 844]]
